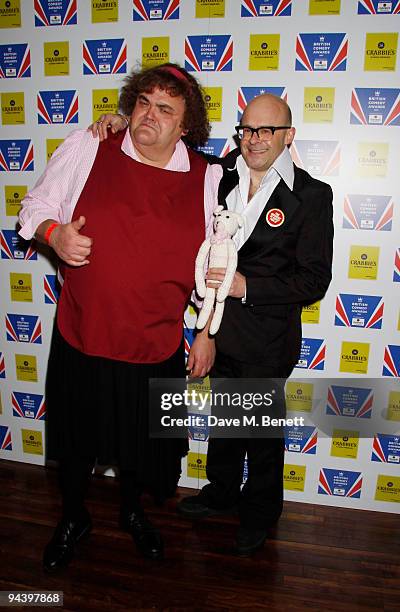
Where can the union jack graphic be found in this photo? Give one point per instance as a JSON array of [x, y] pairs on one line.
[[51, 291], [250, 10], [391, 361], [396, 271], [303, 59], [29, 253], [326, 487], [142, 13], [330, 159], [312, 356], [358, 114], [27, 164], [11, 326], [41, 19], [246, 94], [367, 7], [383, 222], [216, 146], [39, 412], [310, 445], [24, 69], [378, 454], [44, 114], [342, 316], [188, 340], [192, 61], [364, 410], [5, 438], [89, 62], [2, 366], [319, 360]]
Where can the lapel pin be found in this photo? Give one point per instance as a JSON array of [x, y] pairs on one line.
[[275, 217]]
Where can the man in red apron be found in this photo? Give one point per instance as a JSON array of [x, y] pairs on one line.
[[126, 217]]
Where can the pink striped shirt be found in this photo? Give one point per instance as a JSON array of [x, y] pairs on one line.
[[57, 191]]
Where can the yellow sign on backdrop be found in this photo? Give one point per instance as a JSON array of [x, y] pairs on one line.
[[202, 388], [299, 396], [354, 357], [364, 262], [10, 13], [387, 488], [155, 50], [103, 12], [264, 52], [294, 477], [381, 51], [51, 146], [104, 101], [21, 287], [13, 194], [372, 159], [345, 443], [324, 7], [318, 104], [32, 441], [210, 8], [56, 58], [393, 408], [310, 314], [213, 98], [26, 368], [196, 465], [12, 108]]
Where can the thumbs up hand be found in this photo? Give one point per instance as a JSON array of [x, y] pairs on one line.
[[70, 245]]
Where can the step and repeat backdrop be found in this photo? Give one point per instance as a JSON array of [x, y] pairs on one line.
[[62, 63]]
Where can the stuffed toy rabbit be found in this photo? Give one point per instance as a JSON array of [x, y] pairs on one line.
[[221, 253]]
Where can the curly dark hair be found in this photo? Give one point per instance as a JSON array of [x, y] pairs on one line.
[[195, 119]]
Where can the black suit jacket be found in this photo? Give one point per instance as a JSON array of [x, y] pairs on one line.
[[285, 267]]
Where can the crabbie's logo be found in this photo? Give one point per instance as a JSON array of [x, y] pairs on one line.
[[275, 217], [10, 14]]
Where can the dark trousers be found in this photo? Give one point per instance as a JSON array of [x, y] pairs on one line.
[[261, 499], [74, 480]]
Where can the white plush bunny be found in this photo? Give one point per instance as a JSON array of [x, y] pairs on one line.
[[221, 252]]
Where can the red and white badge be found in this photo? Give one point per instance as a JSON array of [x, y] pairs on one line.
[[275, 217]]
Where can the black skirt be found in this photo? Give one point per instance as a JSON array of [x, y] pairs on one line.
[[97, 408]]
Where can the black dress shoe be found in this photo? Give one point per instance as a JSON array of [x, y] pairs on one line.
[[249, 541], [193, 508], [146, 537], [61, 548]]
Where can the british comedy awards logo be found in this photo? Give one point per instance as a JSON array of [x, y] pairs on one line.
[[321, 52]]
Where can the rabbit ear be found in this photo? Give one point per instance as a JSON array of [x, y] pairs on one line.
[[218, 209], [239, 219]]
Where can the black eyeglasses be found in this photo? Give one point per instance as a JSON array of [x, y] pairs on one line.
[[264, 132]]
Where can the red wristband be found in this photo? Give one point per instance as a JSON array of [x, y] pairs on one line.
[[49, 231]]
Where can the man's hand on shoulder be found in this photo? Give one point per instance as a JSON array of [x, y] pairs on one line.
[[114, 122]]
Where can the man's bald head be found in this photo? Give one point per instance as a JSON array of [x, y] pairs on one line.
[[270, 103], [260, 152]]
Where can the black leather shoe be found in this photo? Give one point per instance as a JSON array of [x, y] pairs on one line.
[[193, 508], [248, 541], [61, 548], [146, 537]]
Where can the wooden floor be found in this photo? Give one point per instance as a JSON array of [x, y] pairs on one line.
[[319, 558]]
